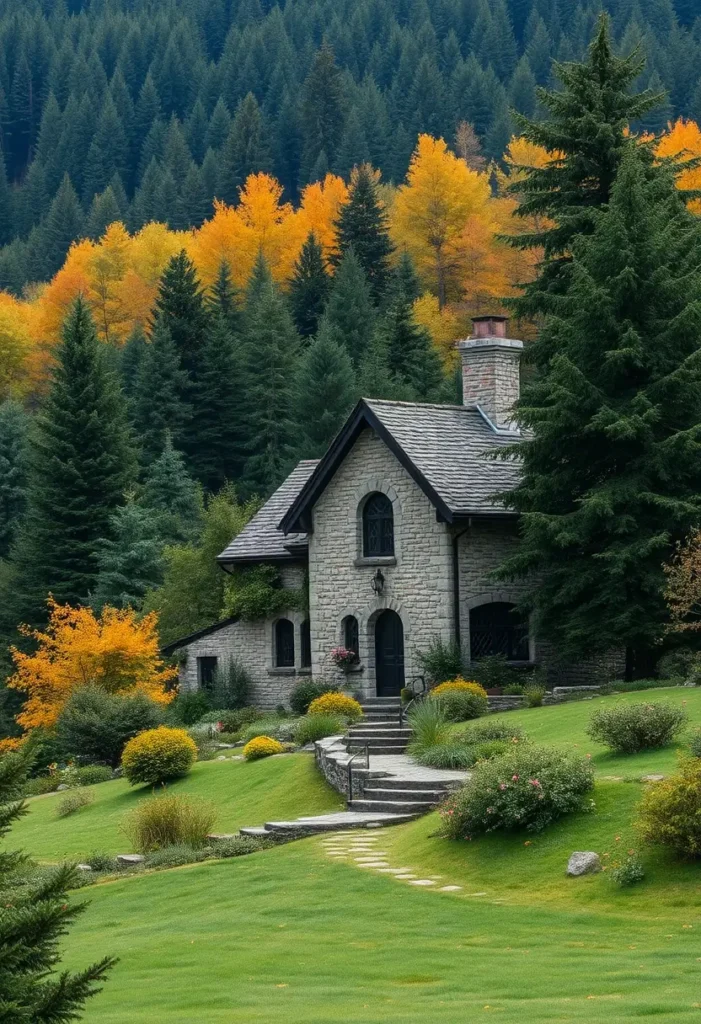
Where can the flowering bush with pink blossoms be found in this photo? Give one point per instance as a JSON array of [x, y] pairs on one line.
[[524, 788]]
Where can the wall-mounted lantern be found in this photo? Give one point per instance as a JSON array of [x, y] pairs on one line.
[[378, 582]]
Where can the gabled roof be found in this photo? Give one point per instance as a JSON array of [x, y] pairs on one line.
[[261, 539], [185, 640], [444, 448]]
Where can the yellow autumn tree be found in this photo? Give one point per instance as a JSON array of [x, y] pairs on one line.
[[683, 142], [431, 212], [116, 651], [444, 325], [16, 345]]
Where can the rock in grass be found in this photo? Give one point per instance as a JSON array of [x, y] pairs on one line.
[[128, 860], [583, 863], [83, 867]]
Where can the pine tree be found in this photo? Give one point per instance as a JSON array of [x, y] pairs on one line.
[[181, 307], [612, 470], [309, 287], [6, 204], [219, 126], [13, 471], [103, 212], [35, 918], [159, 404], [225, 300], [109, 151], [324, 394], [194, 205], [219, 396], [323, 113], [130, 562], [411, 355], [362, 226], [64, 224], [588, 122], [81, 464], [173, 495], [404, 281], [350, 312], [246, 150], [133, 352], [273, 346]]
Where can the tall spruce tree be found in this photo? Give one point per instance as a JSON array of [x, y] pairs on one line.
[[589, 116], [273, 346], [324, 393], [64, 224], [180, 305], [174, 496], [13, 471], [159, 406], [246, 150], [323, 114], [33, 921], [130, 562], [225, 300], [309, 287], [350, 311], [362, 226], [81, 464], [611, 474], [412, 358]]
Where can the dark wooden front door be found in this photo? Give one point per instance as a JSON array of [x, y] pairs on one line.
[[389, 654]]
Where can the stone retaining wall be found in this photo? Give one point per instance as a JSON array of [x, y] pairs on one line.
[[326, 753]]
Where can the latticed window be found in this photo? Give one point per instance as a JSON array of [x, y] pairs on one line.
[[306, 644], [378, 526], [497, 628], [284, 644], [350, 634]]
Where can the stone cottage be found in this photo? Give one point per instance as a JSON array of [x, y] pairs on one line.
[[397, 530]]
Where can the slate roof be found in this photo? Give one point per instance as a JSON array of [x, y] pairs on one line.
[[445, 448], [260, 538]]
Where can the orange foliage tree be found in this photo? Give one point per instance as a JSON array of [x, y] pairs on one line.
[[683, 587], [116, 651], [683, 142]]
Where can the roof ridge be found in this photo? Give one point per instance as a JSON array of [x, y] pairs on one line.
[[420, 405]]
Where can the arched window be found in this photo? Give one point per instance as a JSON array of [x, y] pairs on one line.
[[305, 637], [498, 628], [284, 644], [378, 526], [350, 635]]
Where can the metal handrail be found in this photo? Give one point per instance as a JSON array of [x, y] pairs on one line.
[[349, 767], [404, 708]]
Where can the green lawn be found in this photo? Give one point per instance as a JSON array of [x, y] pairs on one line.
[[565, 725], [245, 794]]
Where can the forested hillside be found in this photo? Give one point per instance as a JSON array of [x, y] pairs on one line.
[[139, 110]]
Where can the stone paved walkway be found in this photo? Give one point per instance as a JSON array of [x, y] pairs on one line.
[[363, 851]]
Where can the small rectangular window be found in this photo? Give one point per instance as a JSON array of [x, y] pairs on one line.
[[206, 670]]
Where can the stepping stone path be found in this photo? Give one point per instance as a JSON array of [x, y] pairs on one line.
[[367, 856]]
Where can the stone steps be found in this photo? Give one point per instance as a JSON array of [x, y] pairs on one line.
[[299, 828], [410, 807], [431, 797]]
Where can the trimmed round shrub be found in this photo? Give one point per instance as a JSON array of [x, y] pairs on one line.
[[158, 755], [169, 820], [336, 704], [317, 727], [670, 811], [91, 774], [262, 746], [628, 728], [460, 700], [96, 725], [304, 693], [524, 788]]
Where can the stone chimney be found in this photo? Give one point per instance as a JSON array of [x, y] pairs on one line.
[[490, 370]]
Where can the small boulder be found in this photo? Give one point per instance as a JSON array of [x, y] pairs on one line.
[[62, 788], [83, 867], [583, 863], [652, 778], [129, 860]]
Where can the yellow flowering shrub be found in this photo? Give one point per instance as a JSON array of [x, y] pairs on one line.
[[459, 684], [336, 704], [460, 700], [158, 755], [262, 746]]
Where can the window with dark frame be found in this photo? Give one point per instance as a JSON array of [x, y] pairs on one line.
[[498, 628], [284, 644], [351, 639], [206, 671], [378, 527], [305, 636]]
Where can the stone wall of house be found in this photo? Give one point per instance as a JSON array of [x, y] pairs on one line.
[[418, 580], [251, 643]]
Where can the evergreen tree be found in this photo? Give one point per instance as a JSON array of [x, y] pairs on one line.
[[219, 394], [6, 205], [64, 224], [324, 393], [159, 405], [81, 463], [323, 113], [587, 125], [375, 379], [173, 495], [34, 920], [109, 151], [309, 287], [246, 150], [612, 469], [404, 281], [412, 357], [13, 471], [130, 562], [350, 312], [103, 212], [362, 226], [132, 353], [193, 205], [181, 307], [225, 301], [273, 346]]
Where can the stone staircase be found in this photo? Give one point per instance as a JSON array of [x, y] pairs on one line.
[[380, 728]]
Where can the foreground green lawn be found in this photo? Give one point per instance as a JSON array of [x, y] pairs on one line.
[[565, 725], [289, 935], [245, 794]]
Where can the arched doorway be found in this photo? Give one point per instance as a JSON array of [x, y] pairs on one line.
[[389, 654]]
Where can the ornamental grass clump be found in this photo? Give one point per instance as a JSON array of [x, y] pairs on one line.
[[169, 820], [525, 788], [262, 746], [460, 700], [429, 725], [158, 755], [628, 728], [336, 704], [670, 812]]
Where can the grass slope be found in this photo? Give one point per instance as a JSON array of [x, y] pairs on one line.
[[565, 725], [245, 794], [289, 935]]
